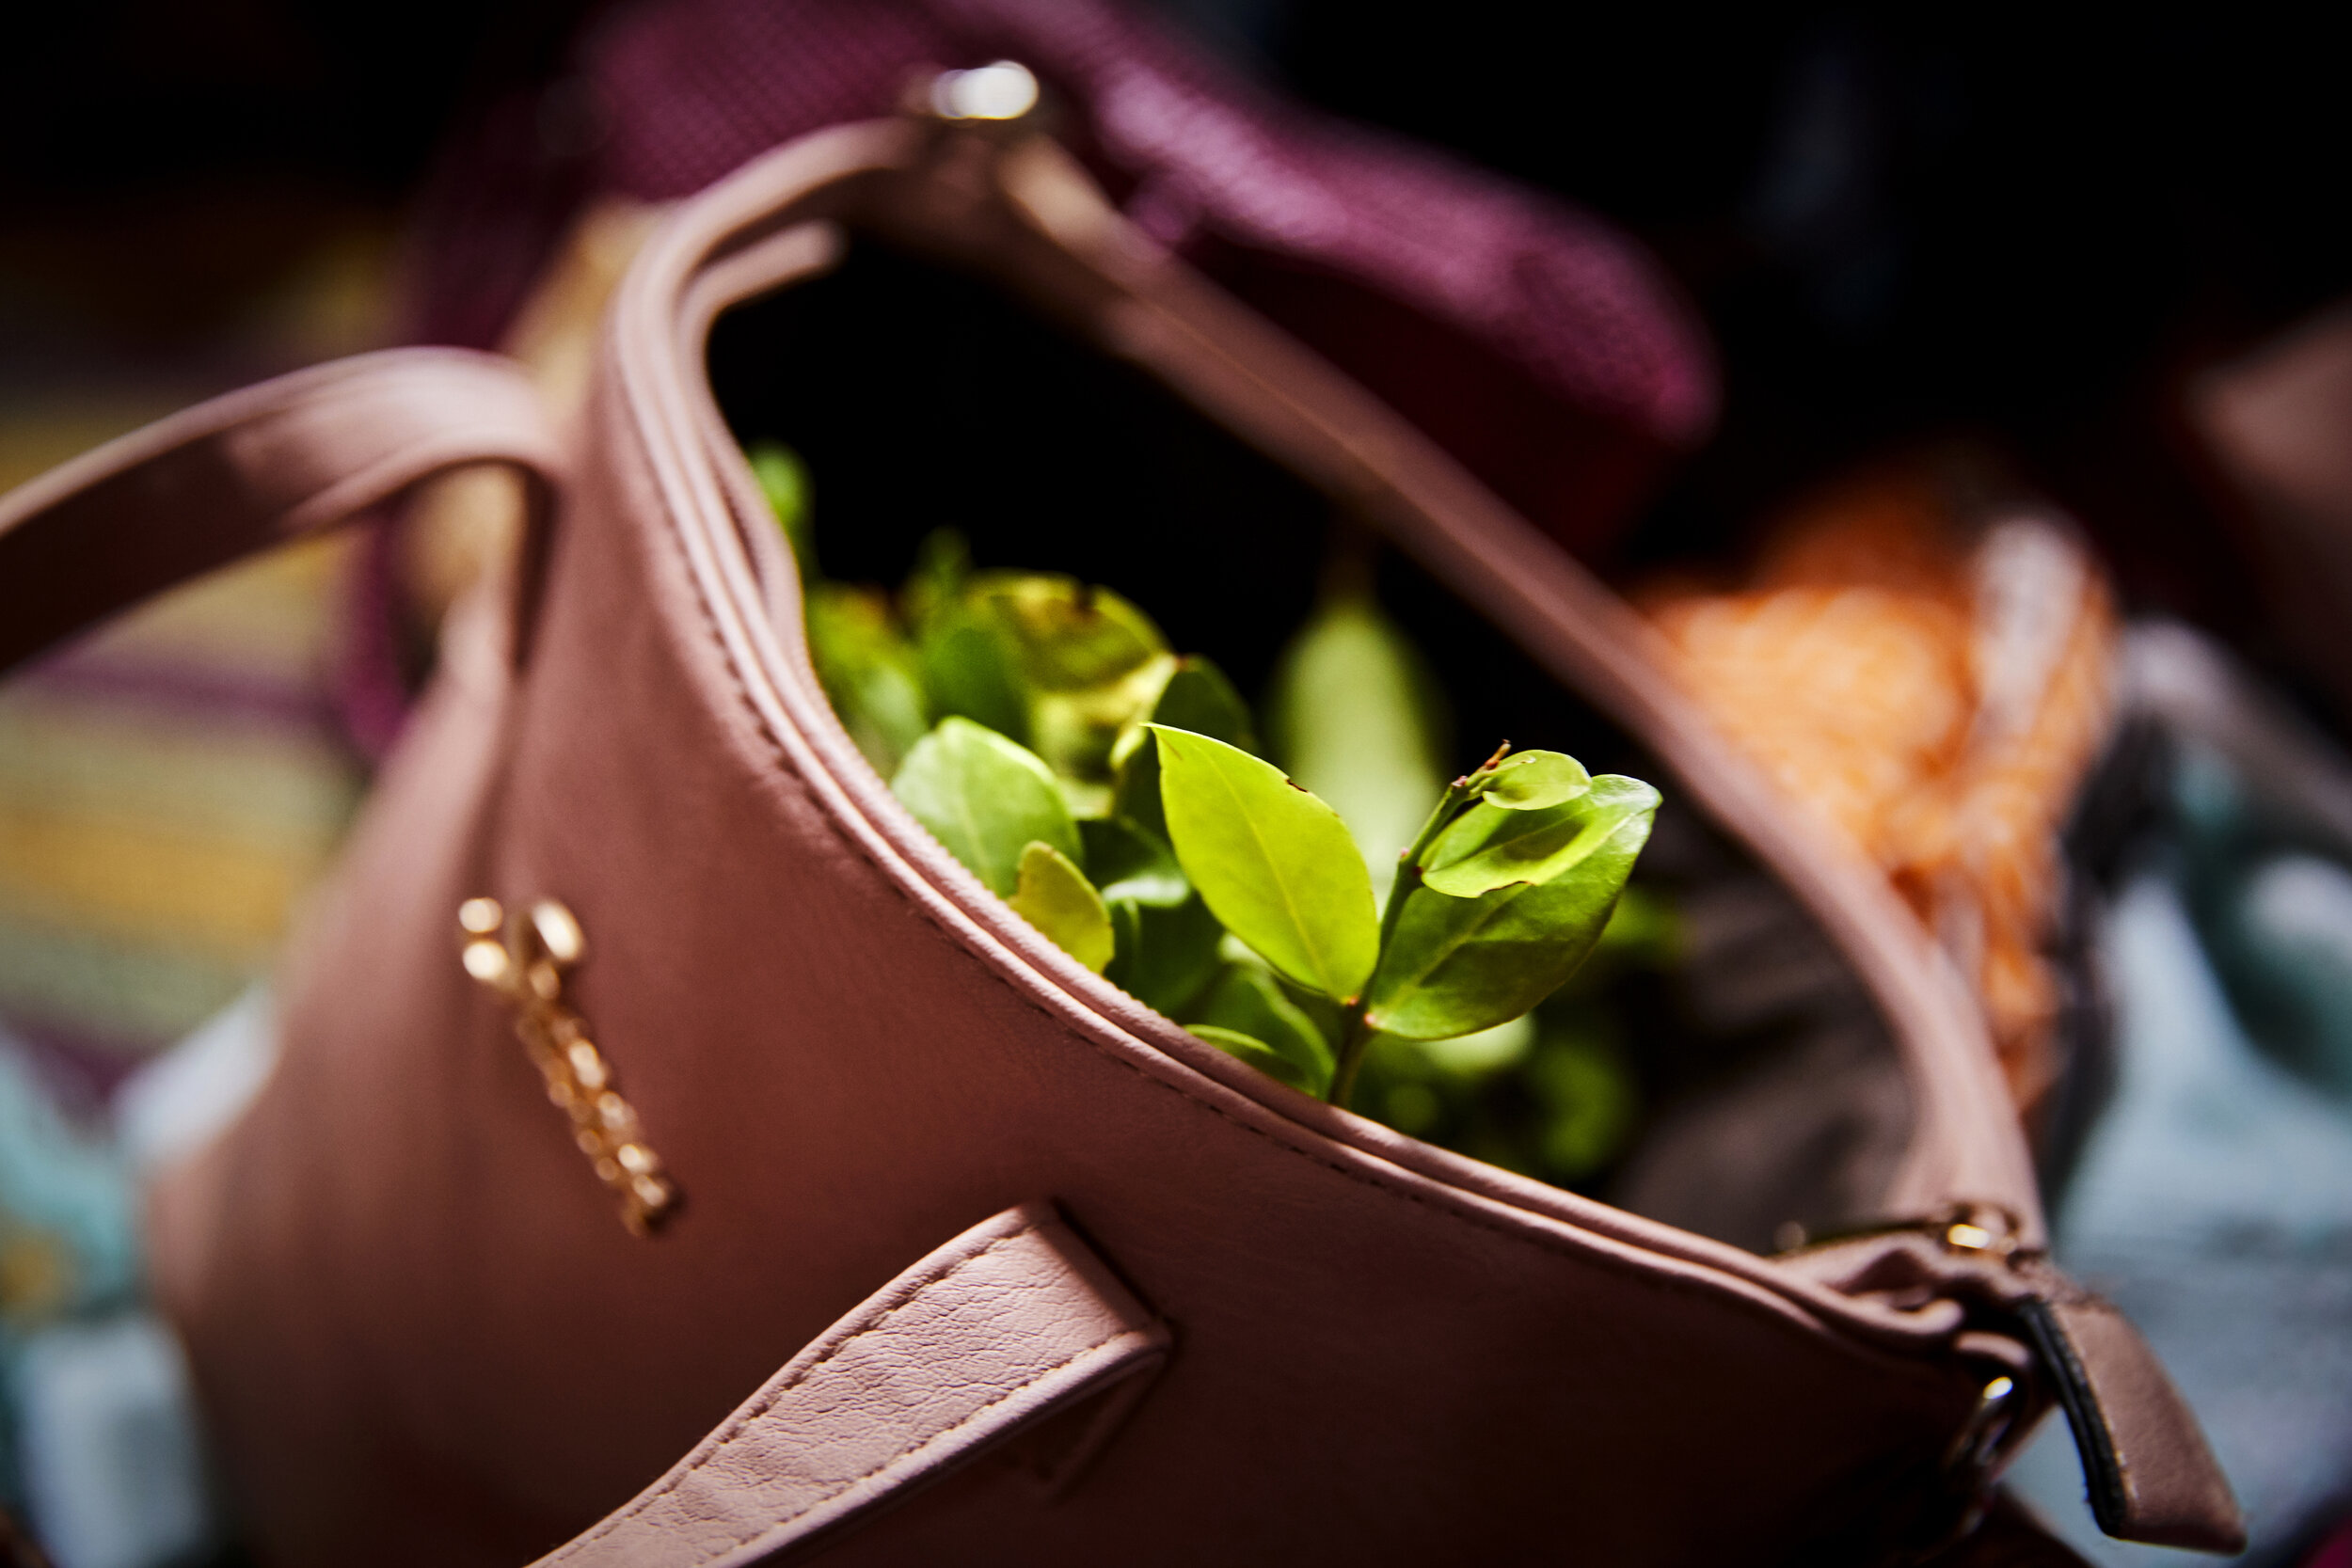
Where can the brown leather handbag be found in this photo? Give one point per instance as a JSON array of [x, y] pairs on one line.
[[821, 1098]]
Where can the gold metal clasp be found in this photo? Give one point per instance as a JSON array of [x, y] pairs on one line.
[[1985, 1232], [525, 956]]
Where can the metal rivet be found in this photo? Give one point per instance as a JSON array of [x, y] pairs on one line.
[[486, 962], [559, 933], [1969, 1238], [1005, 90]]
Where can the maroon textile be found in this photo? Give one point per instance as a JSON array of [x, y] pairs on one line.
[[1540, 346]]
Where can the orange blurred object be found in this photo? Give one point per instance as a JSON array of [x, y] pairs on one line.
[[1926, 664]]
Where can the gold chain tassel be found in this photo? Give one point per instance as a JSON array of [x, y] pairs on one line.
[[524, 958]]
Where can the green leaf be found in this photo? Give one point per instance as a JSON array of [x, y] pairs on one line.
[[1487, 1051], [784, 479], [1054, 897], [1530, 781], [1196, 691], [1089, 664], [1246, 1000], [967, 666], [1589, 1101], [968, 672], [1127, 862], [1199, 697], [1076, 730], [1061, 667], [1136, 794], [868, 671], [1455, 965], [1067, 636], [1274, 864], [1165, 955], [1258, 1055], [943, 564], [985, 798], [1354, 715], [1488, 848]]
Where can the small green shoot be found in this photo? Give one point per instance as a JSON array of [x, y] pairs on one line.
[[1537, 885]]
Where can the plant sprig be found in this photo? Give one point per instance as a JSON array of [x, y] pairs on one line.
[[1114, 794], [1489, 914]]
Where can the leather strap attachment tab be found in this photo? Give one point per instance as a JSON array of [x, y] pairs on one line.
[[1011, 1324], [2149, 1471], [251, 469]]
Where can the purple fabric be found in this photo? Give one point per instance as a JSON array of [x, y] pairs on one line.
[[1542, 347]]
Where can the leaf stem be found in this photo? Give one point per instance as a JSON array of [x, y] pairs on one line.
[[1354, 1038], [1356, 1031]]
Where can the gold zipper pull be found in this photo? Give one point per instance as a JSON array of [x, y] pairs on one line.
[[525, 957]]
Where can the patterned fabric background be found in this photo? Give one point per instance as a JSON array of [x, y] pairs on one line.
[[171, 785]]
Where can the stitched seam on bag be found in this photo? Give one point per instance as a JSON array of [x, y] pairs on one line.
[[959, 943], [740, 1425], [1537, 1241]]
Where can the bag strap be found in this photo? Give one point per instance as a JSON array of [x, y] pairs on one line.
[[254, 469], [1012, 1323]]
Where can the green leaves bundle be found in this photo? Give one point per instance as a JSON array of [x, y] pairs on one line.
[[1114, 794], [1499, 897]]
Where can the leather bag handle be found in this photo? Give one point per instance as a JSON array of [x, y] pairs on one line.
[[1014, 1322], [254, 469], [1011, 1324]]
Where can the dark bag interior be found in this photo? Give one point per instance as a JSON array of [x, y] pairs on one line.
[[1765, 1104]]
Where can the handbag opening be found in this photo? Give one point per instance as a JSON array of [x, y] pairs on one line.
[[1717, 1064]]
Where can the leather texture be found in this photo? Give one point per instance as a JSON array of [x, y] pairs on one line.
[[248, 471], [419, 1332], [1009, 1323], [2146, 1482]]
